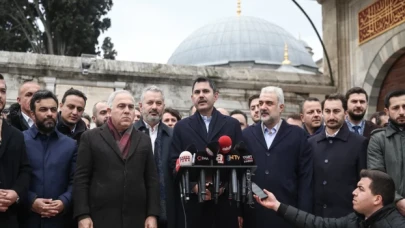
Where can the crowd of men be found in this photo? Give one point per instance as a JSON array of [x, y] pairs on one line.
[[328, 161]]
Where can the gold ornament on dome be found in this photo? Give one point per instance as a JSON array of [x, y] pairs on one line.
[[239, 8], [380, 17]]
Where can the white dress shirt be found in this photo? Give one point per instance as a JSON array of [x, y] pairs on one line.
[[152, 134], [27, 119], [207, 121], [270, 134]]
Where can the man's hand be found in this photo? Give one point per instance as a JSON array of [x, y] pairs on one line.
[[39, 205], [86, 223], [207, 195], [7, 198], [150, 222], [271, 201], [240, 222], [401, 206], [52, 209]]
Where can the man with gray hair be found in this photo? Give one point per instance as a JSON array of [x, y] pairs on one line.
[[283, 157], [116, 183], [152, 106]]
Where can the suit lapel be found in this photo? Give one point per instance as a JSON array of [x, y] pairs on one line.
[[197, 126], [217, 122], [135, 140], [5, 137], [109, 139], [258, 133], [282, 132], [22, 120]]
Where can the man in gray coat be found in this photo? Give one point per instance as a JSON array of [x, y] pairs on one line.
[[387, 145]]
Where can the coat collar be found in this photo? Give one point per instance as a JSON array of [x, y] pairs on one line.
[[140, 126], [283, 130], [378, 215], [391, 129], [33, 131], [64, 129], [217, 122], [342, 135], [109, 139]]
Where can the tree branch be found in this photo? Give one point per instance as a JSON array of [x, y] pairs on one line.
[[46, 27]]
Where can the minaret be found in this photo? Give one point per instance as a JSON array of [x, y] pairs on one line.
[[286, 60], [238, 10]]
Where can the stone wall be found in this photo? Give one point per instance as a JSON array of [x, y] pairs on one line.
[[58, 73]]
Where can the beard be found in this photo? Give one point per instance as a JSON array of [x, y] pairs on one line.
[[395, 123], [356, 117], [100, 123], [334, 124], [46, 126]]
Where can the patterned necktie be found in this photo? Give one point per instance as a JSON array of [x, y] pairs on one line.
[[356, 129]]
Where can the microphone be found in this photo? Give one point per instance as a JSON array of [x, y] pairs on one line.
[[247, 159], [201, 158], [233, 159], [225, 144], [185, 160], [212, 148]]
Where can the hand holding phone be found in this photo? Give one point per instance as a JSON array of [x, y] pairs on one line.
[[258, 191]]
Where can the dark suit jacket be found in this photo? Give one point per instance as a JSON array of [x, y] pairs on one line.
[[337, 164], [16, 119], [368, 128], [285, 169], [166, 140], [14, 170], [192, 130], [113, 191], [53, 161]]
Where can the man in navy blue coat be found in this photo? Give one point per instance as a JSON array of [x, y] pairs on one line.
[[205, 126], [283, 158], [52, 156]]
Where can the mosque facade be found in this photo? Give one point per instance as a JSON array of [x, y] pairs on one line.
[[365, 40]]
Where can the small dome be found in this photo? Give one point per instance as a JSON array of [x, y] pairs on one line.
[[240, 39]]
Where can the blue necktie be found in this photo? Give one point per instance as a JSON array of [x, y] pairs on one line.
[[356, 129]]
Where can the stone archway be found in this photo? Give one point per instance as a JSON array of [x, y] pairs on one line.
[[386, 57], [394, 80]]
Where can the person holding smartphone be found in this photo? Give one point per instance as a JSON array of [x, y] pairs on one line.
[[372, 201]]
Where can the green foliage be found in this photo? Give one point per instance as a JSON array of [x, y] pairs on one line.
[[60, 27]]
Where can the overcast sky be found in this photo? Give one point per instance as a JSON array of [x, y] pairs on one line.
[[150, 30]]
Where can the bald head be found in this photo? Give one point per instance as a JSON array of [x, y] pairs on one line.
[[25, 93], [223, 111]]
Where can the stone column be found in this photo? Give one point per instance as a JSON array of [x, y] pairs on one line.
[[50, 83], [119, 86]]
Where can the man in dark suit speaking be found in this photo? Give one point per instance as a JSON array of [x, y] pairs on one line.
[[283, 157], [116, 182], [205, 126]]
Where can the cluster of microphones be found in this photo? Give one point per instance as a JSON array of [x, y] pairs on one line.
[[218, 167]]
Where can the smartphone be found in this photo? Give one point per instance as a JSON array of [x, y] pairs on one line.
[[258, 191]]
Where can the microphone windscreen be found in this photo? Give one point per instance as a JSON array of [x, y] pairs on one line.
[[192, 149], [247, 157], [201, 158], [233, 158], [225, 144], [185, 159], [212, 148]]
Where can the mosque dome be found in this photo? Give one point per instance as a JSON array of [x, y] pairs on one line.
[[241, 39]]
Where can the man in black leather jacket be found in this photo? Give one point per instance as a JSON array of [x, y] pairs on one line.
[[372, 202]]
